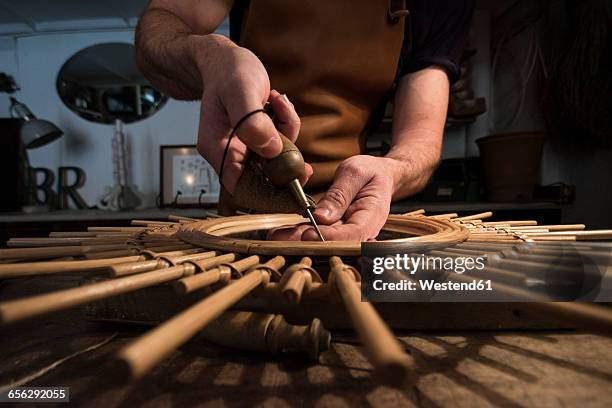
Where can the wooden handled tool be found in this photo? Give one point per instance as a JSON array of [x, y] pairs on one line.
[[142, 354], [281, 172], [285, 170]]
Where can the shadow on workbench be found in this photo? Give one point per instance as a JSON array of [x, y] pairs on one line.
[[469, 368]]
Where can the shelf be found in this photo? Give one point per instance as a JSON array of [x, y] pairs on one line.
[[162, 214]]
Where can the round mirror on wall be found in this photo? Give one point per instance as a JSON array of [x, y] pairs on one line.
[[102, 83]]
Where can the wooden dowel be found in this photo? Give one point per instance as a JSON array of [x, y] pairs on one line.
[[512, 223], [568, 227], [160, 261], [132, 268], [573, 235], [205, 264], [292, 284], [526, 231], [112, 254], [115, 229], [391, 363], [166, 246], [46, 242], [585, 315], [444, 216], [73, 234], [496, 237], [415, 212], [479, 216], [175, 253], [222, 273], [148, 223], [16, 270], [173, 217], [138, 357], [15, 310], [55, 251]]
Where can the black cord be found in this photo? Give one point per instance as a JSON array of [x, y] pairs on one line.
[[234, 130], [202, 192], [176, 197]]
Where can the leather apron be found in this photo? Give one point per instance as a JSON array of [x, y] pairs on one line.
[[336, 60]]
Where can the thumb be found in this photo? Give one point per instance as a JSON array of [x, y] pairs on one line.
[[335, 202]]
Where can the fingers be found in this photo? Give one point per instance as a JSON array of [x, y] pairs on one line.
[[364, 224], [288, 123], [307, 174], [286, 118], [348, 181], [213, 124], [287, 233], [257, 132], [361, 196]]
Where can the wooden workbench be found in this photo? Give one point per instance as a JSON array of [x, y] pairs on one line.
[[528, 368]]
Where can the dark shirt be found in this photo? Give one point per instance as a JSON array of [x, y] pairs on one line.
[[436, 33]]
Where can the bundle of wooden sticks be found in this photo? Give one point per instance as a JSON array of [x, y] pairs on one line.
[[219, 259]]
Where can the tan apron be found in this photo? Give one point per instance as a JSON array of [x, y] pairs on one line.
[[336, 60]]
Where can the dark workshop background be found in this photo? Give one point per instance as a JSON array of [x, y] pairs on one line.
[[541, 66]]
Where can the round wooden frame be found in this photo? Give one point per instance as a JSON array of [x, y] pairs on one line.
[[215, 234]]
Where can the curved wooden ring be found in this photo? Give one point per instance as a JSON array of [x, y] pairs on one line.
[[425, 233]]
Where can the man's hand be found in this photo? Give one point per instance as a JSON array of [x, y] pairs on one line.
[[176, 50], [237, 83], [357, 204]]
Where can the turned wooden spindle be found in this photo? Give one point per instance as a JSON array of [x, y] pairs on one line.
[[222, 273], [392, 365], [138, 357], [267, 333]]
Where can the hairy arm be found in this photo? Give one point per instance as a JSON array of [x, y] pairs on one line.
[[178, 54], [174, 41], [421, 104]]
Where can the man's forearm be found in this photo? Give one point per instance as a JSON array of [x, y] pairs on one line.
[[170, 55], [418, 125], [419, 156]]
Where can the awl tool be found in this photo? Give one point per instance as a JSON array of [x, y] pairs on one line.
[[285, 171]]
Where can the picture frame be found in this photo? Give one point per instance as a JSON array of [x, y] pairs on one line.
[[186, 179]]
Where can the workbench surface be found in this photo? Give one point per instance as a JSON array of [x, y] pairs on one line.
[[530, 368]]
